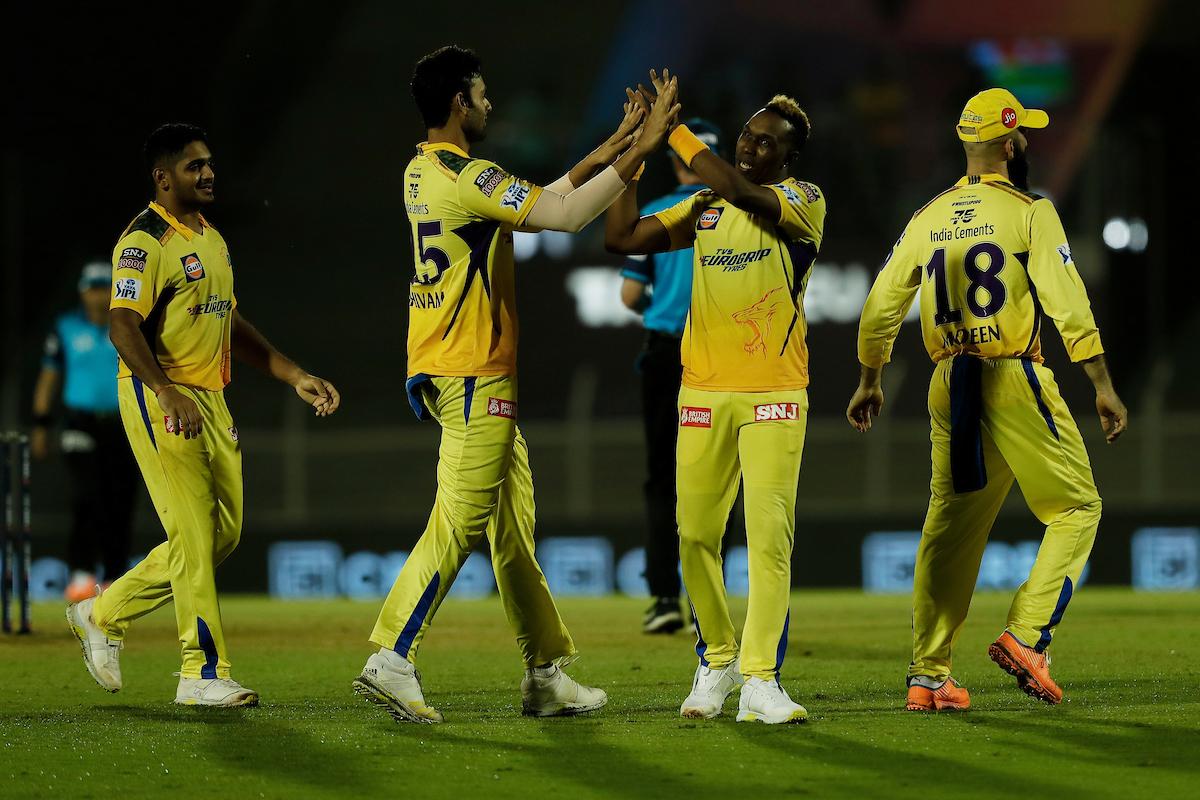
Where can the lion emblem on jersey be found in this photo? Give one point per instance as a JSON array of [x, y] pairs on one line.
[[757, 319]]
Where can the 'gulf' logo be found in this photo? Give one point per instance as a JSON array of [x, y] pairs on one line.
[[772, 411], [192, 268], [691, 417], [1009, 118], [708, 220]]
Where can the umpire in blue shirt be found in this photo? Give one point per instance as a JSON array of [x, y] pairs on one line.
[[80, 361], [659, 286]]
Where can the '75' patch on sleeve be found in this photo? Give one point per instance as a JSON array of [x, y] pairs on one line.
[[132, 258]]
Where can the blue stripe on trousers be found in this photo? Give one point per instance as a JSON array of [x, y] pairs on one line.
[[209, 670], [140, 393], [701, 645], [468, 397], [417, 618], [1060, 608], [781, 650], [1034, 384]]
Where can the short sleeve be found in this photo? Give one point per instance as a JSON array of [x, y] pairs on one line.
[[52, 351], [490, 192], [680, 219], [801, 210], [138, 277]]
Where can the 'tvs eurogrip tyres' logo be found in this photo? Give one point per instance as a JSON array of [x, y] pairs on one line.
[[193, 270]]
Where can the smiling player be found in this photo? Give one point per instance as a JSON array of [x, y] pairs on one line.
[[744, 404], [175, 322]]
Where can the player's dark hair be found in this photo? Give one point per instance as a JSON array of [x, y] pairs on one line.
[[170, 140], [438, 77], [790, 110]]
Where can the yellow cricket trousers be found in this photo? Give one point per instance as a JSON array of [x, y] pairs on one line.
[[992, 421], [484, 485], [756, 438], [196, 487]]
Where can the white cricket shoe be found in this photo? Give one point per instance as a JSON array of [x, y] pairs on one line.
[[710, 687], [391, 681], [224, 692], [766, 701], [550, 692], [101, 654]]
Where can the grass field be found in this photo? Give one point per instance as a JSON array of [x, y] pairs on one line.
[[1129, 663]]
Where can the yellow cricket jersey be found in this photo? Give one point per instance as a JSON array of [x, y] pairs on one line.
[[745, 328], [181, 283], [989, 259], [462, 311]]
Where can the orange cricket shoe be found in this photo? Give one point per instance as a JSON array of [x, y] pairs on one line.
[[947, 697], [1028, 666]]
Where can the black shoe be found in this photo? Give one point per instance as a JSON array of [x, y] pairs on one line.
[[663, 617]]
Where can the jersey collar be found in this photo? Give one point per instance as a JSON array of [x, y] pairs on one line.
[[426, 147], [183, 230], [988, 177]]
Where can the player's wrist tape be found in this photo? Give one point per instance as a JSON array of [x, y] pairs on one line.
[[685, 144]]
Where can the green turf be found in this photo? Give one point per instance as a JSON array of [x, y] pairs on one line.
[[1128, 662]]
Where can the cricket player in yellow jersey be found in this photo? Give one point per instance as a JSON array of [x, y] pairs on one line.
[[743, 405], [991, 259], [175, 323], [462, 349]]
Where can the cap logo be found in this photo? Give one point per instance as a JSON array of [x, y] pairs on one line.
[[1009, 118], [970, 116]]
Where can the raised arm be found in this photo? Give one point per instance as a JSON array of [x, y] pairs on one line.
[[626, 232], [605, 154], [571, 212], [721, 176], [252, 347]]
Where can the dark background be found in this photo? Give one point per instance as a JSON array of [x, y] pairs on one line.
[[311, 124]]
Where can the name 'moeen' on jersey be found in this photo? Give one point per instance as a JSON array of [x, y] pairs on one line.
[[746, 329], [989, 260], [462, 311], [181, 283]]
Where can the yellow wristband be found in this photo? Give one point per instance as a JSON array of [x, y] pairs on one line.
[[641, 168], [685, 144]]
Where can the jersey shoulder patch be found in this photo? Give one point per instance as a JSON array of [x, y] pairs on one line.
[[1021, 194], [150, 223], [451, 161], [934, 199]]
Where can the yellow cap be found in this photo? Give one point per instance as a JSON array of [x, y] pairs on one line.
[[995, 112]]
